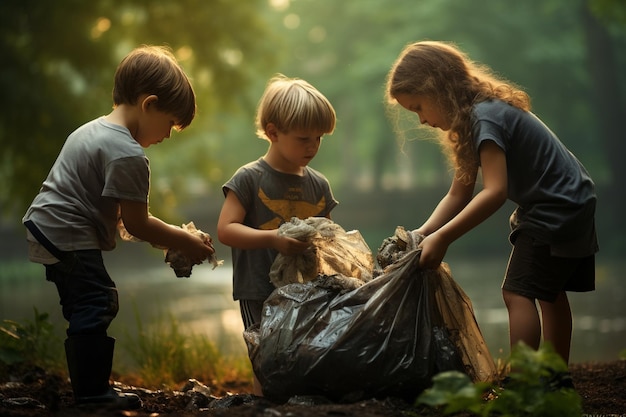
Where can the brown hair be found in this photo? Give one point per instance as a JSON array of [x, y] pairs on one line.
[[440, 70], [154, 70]]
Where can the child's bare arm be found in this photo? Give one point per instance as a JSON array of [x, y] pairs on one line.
[[475, 211], [458, 196], [232, 232], [141, 224]]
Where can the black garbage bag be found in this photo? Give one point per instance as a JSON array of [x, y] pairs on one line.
[[387, 337]]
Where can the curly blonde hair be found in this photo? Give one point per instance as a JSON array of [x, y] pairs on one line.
[[441, 71]]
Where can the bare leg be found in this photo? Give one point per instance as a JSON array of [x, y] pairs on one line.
[[524, 323], [557, 324]]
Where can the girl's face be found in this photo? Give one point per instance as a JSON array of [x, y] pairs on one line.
[[427, 108]]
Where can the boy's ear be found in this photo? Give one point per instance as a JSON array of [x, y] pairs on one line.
[[149, 101], [271, 131]]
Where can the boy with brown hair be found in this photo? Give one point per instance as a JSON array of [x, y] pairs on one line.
[[100, 181]]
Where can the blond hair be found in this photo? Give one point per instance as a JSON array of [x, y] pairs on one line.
[[441, 71], [293, 104]]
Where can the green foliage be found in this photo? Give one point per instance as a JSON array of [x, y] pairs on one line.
[[56, 76], [532, 389], [622, 354], [611, 11], [167, 355], [59, 59], [455, 392], [34, 342]]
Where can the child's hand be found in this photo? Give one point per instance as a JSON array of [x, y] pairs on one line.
[[182, 259], [433, 251], [290, 246], [199, 249]]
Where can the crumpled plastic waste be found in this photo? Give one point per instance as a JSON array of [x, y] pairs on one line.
[[395, 247], [333, 251], [181, 264], [386, 337], [23, 402]]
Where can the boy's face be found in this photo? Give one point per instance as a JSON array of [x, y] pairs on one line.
[[295, 149], [154, 125]]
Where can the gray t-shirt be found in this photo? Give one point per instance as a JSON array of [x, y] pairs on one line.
[[555, 195], [77, 206], [270, 199]]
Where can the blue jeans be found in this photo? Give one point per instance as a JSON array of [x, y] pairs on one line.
[[88, 295]]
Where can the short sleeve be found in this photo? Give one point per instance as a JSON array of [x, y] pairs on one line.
[[128, 179]]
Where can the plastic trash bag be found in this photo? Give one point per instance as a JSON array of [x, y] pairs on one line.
[[344, 340]]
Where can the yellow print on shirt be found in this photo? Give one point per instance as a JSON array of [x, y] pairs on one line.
[[288, 207]]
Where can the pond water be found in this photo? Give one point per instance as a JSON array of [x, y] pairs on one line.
[[203, 303]]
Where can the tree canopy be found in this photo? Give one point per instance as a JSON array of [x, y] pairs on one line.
[[59, 63]]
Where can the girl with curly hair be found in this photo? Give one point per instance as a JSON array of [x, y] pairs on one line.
[[488, 128]]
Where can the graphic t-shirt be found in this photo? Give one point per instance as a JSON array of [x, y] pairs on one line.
[[270, 199]]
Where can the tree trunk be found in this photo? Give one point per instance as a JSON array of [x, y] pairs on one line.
[[608, 104]]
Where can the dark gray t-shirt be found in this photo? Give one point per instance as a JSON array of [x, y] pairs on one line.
[[270, 199], [555, 195], [77, 207]]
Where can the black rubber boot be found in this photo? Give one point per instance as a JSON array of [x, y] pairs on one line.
[[89, 361]]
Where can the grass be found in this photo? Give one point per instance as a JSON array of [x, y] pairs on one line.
[[162, 356], [166, 354], [33, 342]]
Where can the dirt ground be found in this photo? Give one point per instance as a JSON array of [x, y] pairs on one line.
[[36, 393]]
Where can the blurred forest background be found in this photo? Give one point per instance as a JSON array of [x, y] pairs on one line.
[[59, 59]]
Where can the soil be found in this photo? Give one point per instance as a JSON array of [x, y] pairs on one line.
[[33, 392]]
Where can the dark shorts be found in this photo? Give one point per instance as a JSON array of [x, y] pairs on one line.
[[534, 273], [251, 311]]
